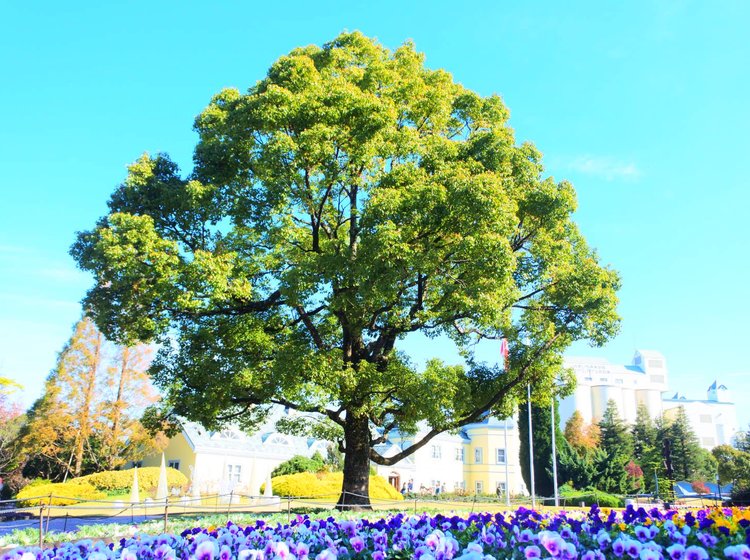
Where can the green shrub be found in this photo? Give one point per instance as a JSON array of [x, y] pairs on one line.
[[121, 481], [65, 493], [327, 485], [589, 498], [741, 496], [300, 464]]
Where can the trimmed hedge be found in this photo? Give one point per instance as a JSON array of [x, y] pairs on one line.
[[96, 486], [121, 481], [591, 497], [66, 493], [327, 485]]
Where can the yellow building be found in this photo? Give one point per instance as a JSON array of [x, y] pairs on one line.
[[491, 452], [481, 458]]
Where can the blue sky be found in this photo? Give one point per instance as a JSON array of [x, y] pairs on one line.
[[642, 105]]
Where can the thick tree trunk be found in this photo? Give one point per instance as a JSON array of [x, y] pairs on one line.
[[355, 493]]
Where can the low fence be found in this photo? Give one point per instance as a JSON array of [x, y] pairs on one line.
[[106, 511]]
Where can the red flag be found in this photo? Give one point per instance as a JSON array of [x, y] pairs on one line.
[[504, 352]]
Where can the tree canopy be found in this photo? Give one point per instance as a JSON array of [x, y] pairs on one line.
[[350, 198]]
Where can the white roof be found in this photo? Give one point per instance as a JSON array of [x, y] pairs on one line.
[[265, 443]]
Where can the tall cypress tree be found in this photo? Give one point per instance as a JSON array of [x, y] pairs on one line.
[[742, 440], [617, 450], [575, 467], [686, 450], [647, 446], [541, 418]]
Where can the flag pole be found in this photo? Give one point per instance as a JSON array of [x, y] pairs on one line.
[[531, 448]]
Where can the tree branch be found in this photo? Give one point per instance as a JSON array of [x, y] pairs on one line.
[[273, 300], [535, 292], [334, 415], [305, 318]]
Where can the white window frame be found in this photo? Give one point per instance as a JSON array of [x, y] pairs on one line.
[[478, 455], [234, 473], [497, 456]]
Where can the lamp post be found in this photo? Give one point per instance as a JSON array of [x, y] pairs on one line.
[[531, 448], [507, 487], [554, 451], [718, 487]]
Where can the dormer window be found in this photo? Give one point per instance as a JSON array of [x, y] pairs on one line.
[[227, 434], [278, 439]]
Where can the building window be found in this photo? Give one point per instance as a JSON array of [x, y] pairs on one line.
[[478, 455], [500, 456], [478, 487], [174, 464], [234, 472], [436, 452], [655, 364], [460, 454], [708, 442], [228, 434], [619, 381], [657, 379], [500, 489], [705, 418]]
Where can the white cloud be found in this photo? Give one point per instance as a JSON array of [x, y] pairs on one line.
[[64, 273], [8, 249], [605, 167], [34, 302]]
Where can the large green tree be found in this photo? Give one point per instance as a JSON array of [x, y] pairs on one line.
[[579, 452], [733, 465], [617, 450], [742, 440], [350, 198], [647, 447], [685, 447]]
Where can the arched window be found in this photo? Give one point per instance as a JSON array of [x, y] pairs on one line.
[[278, 439], [227, 434]]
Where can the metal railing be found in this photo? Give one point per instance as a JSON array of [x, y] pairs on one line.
[[44, 511]]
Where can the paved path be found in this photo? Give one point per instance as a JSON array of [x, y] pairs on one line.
[[60, 524]]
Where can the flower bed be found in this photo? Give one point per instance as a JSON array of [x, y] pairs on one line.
[[522, 535]]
